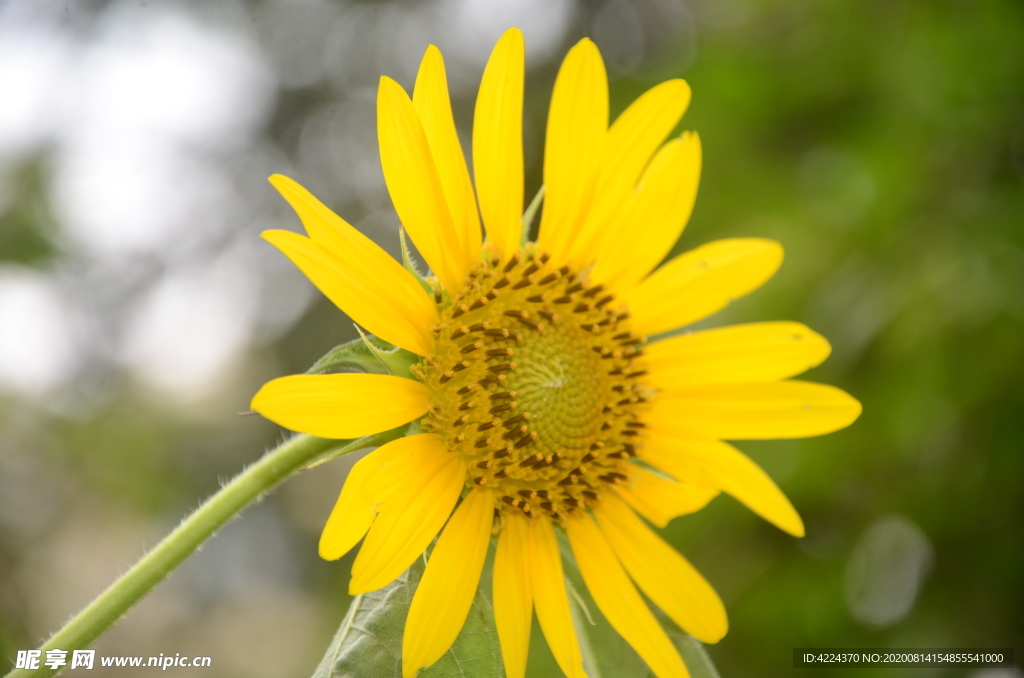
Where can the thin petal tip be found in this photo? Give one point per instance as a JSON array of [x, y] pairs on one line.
[[856, 408], [510, 38], [259, 398], [389, 87], [797, 528], [282, 239], [767, 244], [359, 586], [850, 406], [585, 49], [772, 248], [713, 635], [678, 88], [284, 185], [271, 233], [845, 407], [789, 521], [325, 550]]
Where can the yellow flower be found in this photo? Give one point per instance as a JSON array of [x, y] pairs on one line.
[[543, 404]]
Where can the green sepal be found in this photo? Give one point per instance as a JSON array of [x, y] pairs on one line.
[[366, 442], [410, 265], [369, 640], [668, 334], [529, 215], [366, 354], [605, 653]]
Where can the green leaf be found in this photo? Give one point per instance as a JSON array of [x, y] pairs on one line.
[[694, 654], [366, 354], [605, 653], [369, 642]]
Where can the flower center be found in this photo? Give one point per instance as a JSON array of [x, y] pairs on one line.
[[535, 384]]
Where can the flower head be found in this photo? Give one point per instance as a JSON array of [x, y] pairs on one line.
[[542, 402]]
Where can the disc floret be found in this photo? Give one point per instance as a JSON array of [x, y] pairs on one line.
[[537, 384]]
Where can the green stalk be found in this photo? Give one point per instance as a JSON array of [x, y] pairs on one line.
[[290, 456]]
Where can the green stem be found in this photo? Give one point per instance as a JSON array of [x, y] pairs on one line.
[[290, 456]]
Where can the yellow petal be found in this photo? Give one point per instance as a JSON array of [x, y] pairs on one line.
[[416, 511], [668, 579], [700, 282], [367, 487], [341, 405], [430, 98], [662, 499], [741, 353], [785, 409], [732, 470], [548, 584], [415, 187], [498, 143], [655, 217], [619, 600], [513, 606], [633, 138], [353, 272], [445, 593], [576, 131]]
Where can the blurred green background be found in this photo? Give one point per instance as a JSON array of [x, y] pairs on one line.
[[882, 142]]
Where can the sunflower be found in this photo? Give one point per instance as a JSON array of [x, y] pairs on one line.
[[542, 400]]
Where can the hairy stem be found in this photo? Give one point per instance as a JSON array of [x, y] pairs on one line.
[[290, 456]]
